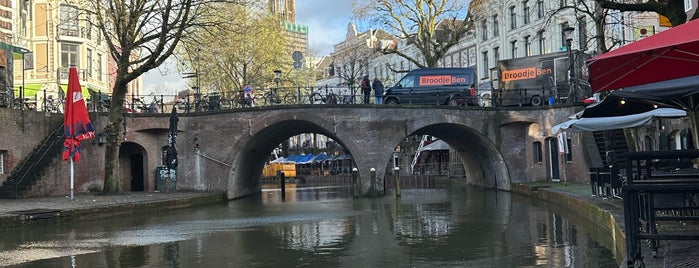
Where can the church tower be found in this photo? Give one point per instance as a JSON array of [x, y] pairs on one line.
[[284, 9]]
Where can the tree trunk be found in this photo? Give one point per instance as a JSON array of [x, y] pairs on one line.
[[113, 133]]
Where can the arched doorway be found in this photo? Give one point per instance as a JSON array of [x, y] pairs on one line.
[[133, 166]]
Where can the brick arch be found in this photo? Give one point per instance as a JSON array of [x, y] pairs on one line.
[[222, 151], [246, 170]]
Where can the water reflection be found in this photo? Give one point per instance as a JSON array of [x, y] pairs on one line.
[[323, 227]]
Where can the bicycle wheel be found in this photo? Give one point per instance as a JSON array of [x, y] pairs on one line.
[[290, 98], [316, 98], [332, 99], [225, 104], [271, 99], [203, 105]]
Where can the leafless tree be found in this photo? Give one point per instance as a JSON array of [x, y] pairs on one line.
[[140, 35], [433, 27]]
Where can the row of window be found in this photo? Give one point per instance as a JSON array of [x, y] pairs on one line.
[[70, 55], [526, 18]]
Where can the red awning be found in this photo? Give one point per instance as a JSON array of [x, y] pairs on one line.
[[670, 54]]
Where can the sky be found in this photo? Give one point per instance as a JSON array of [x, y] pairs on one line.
[[327, 22]]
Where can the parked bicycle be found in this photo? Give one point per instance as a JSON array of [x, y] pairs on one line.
[[213, 102], [53, 105], [140, 105], [243, 99], [327, 98], [272, 97]]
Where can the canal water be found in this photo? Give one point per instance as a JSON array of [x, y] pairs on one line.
[[324, 227]]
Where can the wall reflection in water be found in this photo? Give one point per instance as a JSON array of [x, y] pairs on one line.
[[326, 227]]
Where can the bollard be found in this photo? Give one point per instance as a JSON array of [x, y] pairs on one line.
[[282, 181], [396, 171], [355, 182], [373, 182]]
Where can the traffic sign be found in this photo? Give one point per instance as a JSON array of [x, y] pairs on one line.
[[297, 56]]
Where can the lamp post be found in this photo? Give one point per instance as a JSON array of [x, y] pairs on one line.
[[568, 34], [277, 76]]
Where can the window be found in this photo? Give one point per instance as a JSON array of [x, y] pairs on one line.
[[564, 42], [99, 67], [525, 7], [569, 155], [68, 24], [407, 82], [496, 26], [513, 46], [513, 17], [542, 42], [69, 56], [527, 46], [484, 30], [2, 162], [538, 157], [89, 63], [582, 32], [687, 5], [540, 8], [486, 66], [496, 54]]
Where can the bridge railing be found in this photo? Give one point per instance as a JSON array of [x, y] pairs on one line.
[[239, 99]]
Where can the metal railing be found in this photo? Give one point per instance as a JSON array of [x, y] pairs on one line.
[[238, 99]]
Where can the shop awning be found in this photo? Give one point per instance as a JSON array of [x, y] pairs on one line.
[[31, 90]]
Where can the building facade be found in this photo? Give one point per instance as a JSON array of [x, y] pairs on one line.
[[49, 36]]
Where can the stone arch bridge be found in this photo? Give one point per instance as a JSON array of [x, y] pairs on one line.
[[226, 151]]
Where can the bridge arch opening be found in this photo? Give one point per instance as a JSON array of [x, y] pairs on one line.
[[247, 171], [478, 161]]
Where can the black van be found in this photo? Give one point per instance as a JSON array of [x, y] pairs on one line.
[[440, 86]]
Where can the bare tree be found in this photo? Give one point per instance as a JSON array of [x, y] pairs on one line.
[[672, 9], [140, 35], [351, 63], [433, 27]]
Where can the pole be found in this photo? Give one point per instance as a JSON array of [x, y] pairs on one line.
[[373, 182], [72, 176], [167, 181], [355, 179], [396, 171]]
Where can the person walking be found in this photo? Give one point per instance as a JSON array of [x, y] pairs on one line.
[[378, 90], [366, 88]]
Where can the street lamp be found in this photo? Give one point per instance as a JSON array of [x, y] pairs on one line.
[[568, 34], [277, 76]]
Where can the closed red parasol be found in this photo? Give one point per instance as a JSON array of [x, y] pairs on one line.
[[76, 122]]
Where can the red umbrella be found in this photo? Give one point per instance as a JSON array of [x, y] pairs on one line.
[[76, 123], [670, 54]]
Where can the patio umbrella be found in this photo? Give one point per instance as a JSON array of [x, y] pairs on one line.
[[76, 123], [617, 122], [670, 54], [171, 153]]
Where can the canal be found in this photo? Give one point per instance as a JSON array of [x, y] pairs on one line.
[[324, 227]]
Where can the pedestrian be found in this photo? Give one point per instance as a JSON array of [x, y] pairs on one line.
[[366, 88], [378, 90]]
